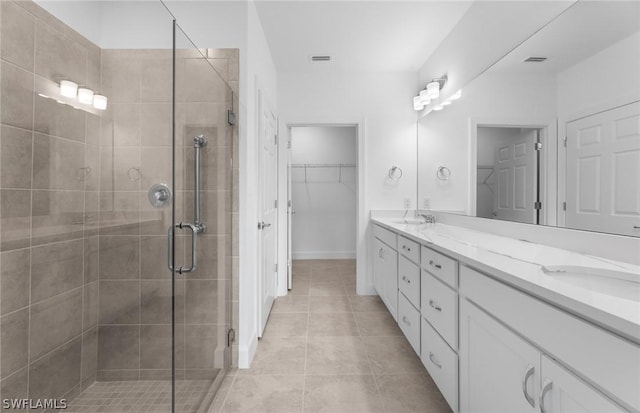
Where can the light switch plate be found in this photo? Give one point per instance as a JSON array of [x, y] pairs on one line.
[[407, 203], [426, 203]]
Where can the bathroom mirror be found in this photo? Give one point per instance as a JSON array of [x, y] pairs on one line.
[[550, 134]]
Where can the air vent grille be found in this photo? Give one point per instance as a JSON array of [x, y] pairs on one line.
[[321, 58], [533, 59]]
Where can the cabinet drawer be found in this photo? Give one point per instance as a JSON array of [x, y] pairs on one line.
[[440, 308], [441, 362], [409, 280], [441, 266], [610, 362], [409, 322], [409, 249], [385, 236]]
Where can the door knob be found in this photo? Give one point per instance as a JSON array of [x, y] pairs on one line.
[[263, 225]]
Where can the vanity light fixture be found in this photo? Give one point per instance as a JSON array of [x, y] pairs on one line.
[[68, 88], [74, 93]]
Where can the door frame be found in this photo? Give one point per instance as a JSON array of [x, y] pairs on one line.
[[364, 280], [547, 167]]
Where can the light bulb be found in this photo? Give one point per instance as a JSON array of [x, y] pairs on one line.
[[445, 102], [424, 97], [100, 102], [68, 88], [438, 107], [433, 90], [417, 104], [85, 95]]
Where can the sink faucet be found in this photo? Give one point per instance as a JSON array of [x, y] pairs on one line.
[[428, 218]]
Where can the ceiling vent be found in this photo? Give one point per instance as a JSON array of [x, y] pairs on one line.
[[535, 59], [320, 58]]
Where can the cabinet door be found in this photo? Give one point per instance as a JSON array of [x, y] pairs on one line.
[[499, 371], [385, 273], [378, 253], [565, 393]]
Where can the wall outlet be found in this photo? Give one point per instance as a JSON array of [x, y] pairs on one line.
[[407, 203], [426, 203]]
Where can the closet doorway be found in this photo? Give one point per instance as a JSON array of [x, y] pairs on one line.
[[322, 195]]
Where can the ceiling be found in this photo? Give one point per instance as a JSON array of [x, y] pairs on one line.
[[583, 30], [360, 36]]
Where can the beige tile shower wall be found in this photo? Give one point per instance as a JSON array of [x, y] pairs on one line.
[[49, 192], [134, 337]]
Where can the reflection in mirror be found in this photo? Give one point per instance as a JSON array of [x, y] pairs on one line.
[[550, 134]]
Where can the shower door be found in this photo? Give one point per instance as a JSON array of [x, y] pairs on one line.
[[200, 235]]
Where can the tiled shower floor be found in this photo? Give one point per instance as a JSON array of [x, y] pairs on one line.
[[139, 396]]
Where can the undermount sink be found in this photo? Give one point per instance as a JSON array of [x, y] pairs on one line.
[[621, 284]]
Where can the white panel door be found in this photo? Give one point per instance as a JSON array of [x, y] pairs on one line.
[[268, 157], [565, 393], [499, 371], [603, 172], [515, 172]]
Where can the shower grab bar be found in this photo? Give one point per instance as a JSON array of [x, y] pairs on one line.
[[197, 227], [199, 142]]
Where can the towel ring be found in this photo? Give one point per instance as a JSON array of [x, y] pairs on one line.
[[443, 173], [395, 173]]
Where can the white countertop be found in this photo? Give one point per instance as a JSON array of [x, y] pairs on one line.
[[615, 307]]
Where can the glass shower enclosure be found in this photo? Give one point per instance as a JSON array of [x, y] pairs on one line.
[[115, 221]]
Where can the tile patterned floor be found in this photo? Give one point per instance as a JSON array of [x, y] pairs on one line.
[[325, 349], [139, 396]]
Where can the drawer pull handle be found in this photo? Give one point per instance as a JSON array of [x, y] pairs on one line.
[[404, 247], [438, 365], [381, 253], [434, 305], [433, 264], [525, 381], [404, 320], [405, 279], [546, 387]]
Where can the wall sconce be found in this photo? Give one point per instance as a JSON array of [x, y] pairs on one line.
[[84, 95], [429, 98]]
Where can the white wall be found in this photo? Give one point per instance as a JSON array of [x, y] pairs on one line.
[[445, 136], [324, 225], [380, 104]]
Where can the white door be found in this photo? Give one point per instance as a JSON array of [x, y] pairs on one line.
[[515, 176], [603, 172], [268, 157], [565, 393], [499, 371]]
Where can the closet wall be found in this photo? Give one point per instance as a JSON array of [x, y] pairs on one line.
[[323, 191]]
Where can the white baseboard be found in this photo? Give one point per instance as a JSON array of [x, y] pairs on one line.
[[323, 255], [246, 353]]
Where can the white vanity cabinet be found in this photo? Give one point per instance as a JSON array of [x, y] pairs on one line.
[[385, 268], [439, 309], [506, 341]]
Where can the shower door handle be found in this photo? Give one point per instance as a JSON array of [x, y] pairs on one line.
[[194, 248]]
